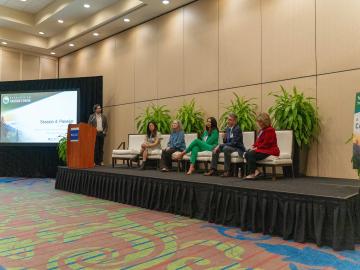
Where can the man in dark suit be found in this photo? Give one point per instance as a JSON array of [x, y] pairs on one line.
[[99, 121], [233, 142]]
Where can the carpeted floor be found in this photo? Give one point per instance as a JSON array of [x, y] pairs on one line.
[[42, 228]]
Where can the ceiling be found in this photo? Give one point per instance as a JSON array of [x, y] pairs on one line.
[[33, 25], [27, 6]]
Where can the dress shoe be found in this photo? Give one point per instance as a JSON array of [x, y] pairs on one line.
[[212, 172], [226, 174]]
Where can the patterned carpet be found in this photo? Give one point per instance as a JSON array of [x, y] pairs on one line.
[[42, 228]]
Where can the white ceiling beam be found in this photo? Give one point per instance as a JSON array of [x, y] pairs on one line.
[[16, 16], [51, 10], [12, 36], [99, 19]]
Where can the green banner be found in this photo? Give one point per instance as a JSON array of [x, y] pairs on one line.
[[357, 103], [356, 134]]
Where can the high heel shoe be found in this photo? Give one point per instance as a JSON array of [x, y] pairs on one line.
[[190, 171], [143, 166]]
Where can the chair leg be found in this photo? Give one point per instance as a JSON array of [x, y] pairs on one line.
[[273, 173], [113, 162], [292, 171], [181, 165], [206, 166], [264, 170], [235, 169]]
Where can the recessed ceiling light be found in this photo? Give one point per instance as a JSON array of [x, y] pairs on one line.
[[41, 33], [4, 43], [53, 53], [71, 44], [86, 6], [95, 34], [126, 20], [60, 21], [23, 0], [166, 2]]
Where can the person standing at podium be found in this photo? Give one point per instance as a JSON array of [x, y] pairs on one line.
[[99, 121]]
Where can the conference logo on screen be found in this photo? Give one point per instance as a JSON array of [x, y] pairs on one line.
[[6, 100], [16, 99]]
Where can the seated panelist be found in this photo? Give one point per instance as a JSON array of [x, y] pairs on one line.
[[152, 142], [232, 142], [264, 146], [176, 144], [207, 142]]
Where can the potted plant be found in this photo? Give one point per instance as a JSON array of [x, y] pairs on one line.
[[191, 118], [159, 114], [245, 111], [292, 110], [61, 149]]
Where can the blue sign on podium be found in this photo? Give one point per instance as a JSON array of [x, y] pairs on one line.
[[74, 134]]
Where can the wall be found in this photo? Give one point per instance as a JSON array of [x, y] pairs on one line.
[[211, 48], [17, 65]]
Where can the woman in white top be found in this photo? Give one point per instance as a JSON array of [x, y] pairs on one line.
[[152, 142]]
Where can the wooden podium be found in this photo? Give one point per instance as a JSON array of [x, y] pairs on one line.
[[80, 146]]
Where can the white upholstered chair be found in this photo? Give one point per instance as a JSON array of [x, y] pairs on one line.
[[131, 153], [156, 154], [248, 140], [285, 143]]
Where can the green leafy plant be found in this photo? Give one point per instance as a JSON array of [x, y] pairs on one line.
[[62, 148], [297, 112], [245, 111], [159, 114], [191, 118]]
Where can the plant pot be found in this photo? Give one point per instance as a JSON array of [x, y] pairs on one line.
[[299, 161], [304, 155]]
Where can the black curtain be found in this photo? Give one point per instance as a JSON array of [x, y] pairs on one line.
[[325, 221], [42, 161]]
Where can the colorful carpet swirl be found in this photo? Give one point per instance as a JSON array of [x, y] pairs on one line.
[[42, 228]]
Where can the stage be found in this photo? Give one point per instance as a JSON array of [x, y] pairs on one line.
[[319, 210]]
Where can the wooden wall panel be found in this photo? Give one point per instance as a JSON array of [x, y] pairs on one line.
[[201, 46], [288, 39], [240, 42]]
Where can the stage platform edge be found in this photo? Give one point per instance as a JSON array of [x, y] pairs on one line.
[[322, 211]]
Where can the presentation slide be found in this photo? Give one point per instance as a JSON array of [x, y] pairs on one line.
[[37, 117]]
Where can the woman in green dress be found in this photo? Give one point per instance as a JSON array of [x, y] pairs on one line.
[[207, 142]]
